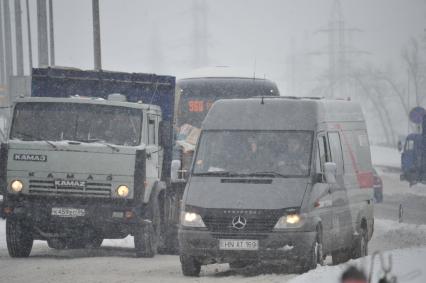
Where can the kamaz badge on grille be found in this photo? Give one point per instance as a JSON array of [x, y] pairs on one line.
[[70, 184], [29, 157]]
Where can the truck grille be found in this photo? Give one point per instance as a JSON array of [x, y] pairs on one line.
[[47, 187], [222, 224]]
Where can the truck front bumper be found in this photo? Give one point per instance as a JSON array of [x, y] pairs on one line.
[[113, 220]]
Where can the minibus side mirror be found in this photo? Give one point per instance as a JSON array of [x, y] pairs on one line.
[[330, 169]]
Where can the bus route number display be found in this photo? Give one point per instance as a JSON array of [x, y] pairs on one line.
[[199, 105]]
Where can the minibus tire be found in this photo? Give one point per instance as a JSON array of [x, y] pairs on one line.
[[361, 246], [190, 266], [19, 238]]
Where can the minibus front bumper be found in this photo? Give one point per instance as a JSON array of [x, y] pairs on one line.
[[291, 246]]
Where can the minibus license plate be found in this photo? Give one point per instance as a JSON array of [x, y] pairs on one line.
[[245, 245], [68, 212]]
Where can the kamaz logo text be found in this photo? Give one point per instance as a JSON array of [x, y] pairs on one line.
[[70, 183], [29, 157]]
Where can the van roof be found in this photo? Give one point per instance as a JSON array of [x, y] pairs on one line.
[[279, 113]]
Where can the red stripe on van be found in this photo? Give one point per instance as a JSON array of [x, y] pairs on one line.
[[365, 179]]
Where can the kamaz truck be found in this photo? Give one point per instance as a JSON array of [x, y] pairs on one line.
[[88, 158]]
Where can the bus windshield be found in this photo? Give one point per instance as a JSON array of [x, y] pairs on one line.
[[198, 94], [77, 122]]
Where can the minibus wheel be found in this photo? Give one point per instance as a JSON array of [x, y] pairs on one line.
[[316, 254], [19, 238], [361, 246], [190, 266]]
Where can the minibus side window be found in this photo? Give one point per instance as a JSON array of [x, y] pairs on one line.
[[336, 150], [323, 153]]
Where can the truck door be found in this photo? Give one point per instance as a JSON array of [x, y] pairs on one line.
[[152, 164], [342, 220], [324, 203]]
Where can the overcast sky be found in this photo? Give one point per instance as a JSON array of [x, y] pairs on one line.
[[158, 35]]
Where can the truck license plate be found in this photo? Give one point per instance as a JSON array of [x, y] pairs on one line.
[[68, 212], [244, 245]]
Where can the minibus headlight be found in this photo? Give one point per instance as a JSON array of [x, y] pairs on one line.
[[123, 191], [191, 219], [16, 186], [293, 220]]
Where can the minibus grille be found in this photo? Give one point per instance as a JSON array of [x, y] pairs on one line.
[[223, 224]]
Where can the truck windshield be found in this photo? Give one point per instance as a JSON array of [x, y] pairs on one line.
[[53, 121], [275, 153]]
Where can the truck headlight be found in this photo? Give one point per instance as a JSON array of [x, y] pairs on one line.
[[294, 220], [191, 219], [122, 191], [16, 186]]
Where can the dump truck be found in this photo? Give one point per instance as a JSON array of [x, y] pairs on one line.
[[88, 158]]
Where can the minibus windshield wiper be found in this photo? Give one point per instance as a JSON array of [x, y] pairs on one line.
[[267, 174]]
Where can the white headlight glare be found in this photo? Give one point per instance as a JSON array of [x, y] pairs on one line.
[[122, 191], [191, 219], [16, 186], [290, 221]]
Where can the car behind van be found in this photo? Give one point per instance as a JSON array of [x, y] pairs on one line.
[[278, 179]]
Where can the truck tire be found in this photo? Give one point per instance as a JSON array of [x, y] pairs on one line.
[[340, 256], [94, 243], [19, 238], [57, 244], [190, 266], [148, 236]]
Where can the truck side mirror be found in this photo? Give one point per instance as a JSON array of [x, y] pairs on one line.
[[175, 167], [330, 169]]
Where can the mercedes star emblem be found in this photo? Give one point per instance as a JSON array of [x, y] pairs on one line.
[[239, 222]]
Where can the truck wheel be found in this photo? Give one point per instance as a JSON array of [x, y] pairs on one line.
[[57, 244], [19, 238], [361, 245], [238, 264], [148, 236], [190, 266], [94, 243], [340, 256]]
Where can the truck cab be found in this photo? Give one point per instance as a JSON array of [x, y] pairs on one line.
[[77, 170]]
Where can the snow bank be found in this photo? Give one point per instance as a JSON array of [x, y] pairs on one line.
[[385, 156], [406, 243]]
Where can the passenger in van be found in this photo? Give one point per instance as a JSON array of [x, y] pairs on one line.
[[292, 156]]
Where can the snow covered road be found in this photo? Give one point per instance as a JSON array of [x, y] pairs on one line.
[[115, 261]]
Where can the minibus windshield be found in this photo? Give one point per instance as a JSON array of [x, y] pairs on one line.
[[254, 153]]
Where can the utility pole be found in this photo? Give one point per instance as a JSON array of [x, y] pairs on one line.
[[338, 51], [19, 44], [43, 48], [51, 34], [96, 35], [200, 38], [30, 45], [8, 41], [2, 61]]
